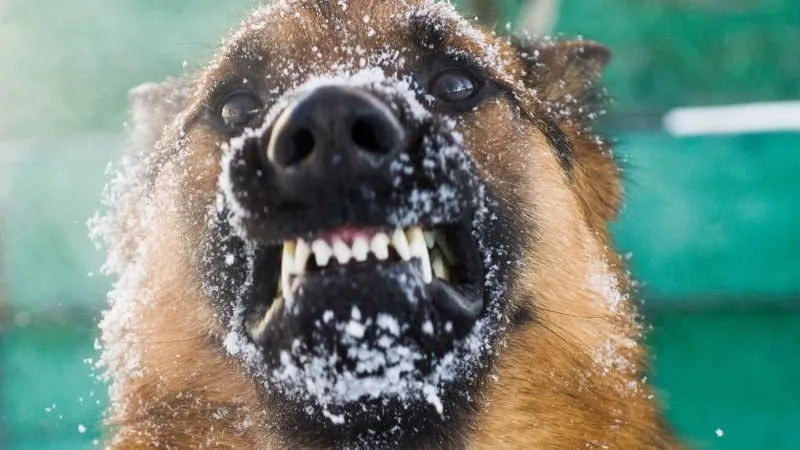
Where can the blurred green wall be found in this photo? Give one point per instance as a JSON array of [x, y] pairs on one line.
[[711, 221]]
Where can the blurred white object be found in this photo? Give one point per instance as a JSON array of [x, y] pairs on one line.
[[734, 119], [539, 17]]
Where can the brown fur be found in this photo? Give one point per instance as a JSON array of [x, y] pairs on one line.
[[570, 378]]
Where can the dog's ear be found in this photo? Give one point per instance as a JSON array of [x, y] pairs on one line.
[[153, 107], [562, 71], [565, 76]]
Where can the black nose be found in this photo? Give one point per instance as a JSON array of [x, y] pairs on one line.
[[335, 128]]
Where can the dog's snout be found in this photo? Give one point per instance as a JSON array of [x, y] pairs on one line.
[[335, 128]]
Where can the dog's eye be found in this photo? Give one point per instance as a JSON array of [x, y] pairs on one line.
[[454, 85], [239, 108]]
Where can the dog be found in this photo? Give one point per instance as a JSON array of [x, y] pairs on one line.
[[370, 224]]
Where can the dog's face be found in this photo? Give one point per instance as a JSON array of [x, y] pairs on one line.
[[374, 255], [364, 195]]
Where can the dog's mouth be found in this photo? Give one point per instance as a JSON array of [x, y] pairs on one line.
[[349, 247], [429, 277]]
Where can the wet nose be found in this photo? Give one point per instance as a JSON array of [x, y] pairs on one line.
[[335, 129]]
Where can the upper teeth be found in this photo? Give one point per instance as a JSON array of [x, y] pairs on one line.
[[429, 247], [400, 243], [341, 251], [379, 246], [416, 243], [322, 253]]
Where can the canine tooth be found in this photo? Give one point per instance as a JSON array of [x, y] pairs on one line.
[[438, 265], [441, 242], [287, 265], [430, 239], [380, 246], [427, 271], [301, 255], [416, 242], [257, 329], [341, 252], [322, 252], [360, 249], [400, 243]]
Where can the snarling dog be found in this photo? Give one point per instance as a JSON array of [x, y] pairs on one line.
[[368, 224]]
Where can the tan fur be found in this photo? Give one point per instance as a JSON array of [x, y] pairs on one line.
[[570, 379]]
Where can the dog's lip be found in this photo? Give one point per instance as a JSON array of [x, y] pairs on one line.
[[460, 305], [343, 253]]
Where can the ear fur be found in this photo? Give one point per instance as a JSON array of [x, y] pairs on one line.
[[563, 71], [565, 77], [153, 107]]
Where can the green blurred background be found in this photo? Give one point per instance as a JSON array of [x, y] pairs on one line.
[[711, 221]]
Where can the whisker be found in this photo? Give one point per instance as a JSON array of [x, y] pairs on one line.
[[580, 316], [563, 338]]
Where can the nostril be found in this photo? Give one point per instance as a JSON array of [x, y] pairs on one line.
[[371, 138], [301, 144]]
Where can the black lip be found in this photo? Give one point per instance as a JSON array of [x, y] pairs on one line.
[[395, 290], [459, 301], [462, 301]]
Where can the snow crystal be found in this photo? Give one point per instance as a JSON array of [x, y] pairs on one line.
[[605, 285], [381, 371], [355, 329], [336, 419], [432, 397], [427, 328], [389, 324]]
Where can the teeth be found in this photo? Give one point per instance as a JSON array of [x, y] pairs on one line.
[[322, 252], [301, 255], [430, 247], [438, 265], [257, 329], [430, 239], [400, 243], [360, 249], [287, 267], [441, 242], [418, 248], [380, 246], [341, 252]]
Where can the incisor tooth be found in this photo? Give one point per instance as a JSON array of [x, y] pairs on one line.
[[322, 252], [341, 252], [416, 242], [400, 243], [301, 255], [360, 249], [380, 246]]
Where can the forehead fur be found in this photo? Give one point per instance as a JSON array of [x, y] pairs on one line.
[[294, 40]]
